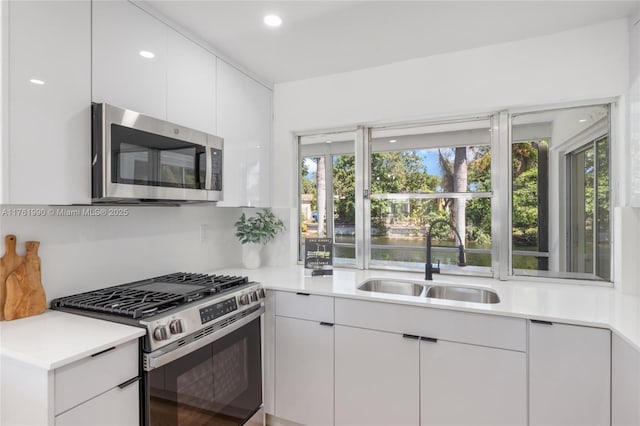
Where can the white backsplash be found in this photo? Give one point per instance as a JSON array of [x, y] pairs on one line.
[[81, 253]]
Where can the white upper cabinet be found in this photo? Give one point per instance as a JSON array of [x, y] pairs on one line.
[[244, 109], [46, 141], [191, 77], [259, 114], [124, 74]]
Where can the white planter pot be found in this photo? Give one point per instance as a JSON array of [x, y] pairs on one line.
[[251, 255]]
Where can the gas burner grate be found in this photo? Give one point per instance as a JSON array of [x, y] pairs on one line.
[[130, 301]]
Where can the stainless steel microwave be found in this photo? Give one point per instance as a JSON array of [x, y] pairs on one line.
[[139, 159]]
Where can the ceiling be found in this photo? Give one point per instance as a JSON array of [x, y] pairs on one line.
[[327, 37]]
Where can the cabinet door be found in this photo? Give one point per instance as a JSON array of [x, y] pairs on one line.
[[304, 371], [121, 75], [569, 375], [625, 383], [259, 117], [107, 369], [49, 148], [191, 78], [244, 109], [472, 385], [119, 406], [231, 110], [377, 378]]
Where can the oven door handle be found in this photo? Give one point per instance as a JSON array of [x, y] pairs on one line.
[[162, 357]]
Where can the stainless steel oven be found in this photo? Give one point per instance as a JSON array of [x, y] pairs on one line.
[[137, 158], [219, 383], [201, 358]]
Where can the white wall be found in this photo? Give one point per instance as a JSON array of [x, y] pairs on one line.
[[584, 64], [83, 253]]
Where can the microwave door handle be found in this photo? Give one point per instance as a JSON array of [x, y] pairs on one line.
[[207, 177]]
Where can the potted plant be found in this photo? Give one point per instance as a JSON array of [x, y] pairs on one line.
[[254, 232]]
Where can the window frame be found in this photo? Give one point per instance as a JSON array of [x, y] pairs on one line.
[[437, 127], [501, 185]]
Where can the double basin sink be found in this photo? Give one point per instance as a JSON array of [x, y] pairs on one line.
[[412, 288]]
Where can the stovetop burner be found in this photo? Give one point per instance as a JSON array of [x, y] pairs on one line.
[[150, 297]]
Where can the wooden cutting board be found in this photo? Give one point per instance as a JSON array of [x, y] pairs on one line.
[[25, 294], [8, 263]]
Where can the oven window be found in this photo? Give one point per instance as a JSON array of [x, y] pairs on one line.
[[142, 158], [219, 384]]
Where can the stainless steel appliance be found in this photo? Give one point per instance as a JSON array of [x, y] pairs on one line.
[[137, 158], [201, 357]]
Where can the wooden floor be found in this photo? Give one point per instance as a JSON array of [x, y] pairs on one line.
[[163, 414]]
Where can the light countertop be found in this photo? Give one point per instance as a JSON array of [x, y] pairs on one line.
[[568, 303], [54, 338]]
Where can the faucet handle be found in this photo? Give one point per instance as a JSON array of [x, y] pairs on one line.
[[436, 269]]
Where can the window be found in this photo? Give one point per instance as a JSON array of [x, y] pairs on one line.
[[327, 193], [422, 174], [546, 199], [560, 193]]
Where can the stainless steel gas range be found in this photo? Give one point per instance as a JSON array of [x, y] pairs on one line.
[[201, 357]]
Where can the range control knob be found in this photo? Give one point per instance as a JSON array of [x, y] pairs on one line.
[[253, 296], [261, 293], [176, 326], [161, 332], [244, 299]]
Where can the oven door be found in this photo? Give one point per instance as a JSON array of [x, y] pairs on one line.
[[218, 384]]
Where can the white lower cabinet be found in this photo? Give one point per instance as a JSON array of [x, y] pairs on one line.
[[101, 389], [472, 385], [304, 351], [377, 378], [391, 364], [625, 383], [119, 406], [304, 371], [569, 375]]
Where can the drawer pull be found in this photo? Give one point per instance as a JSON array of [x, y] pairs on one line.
[[411, 336], [303, 294], [102, 352], [541, 322], [429, 339], [128, 382], [328, 324]]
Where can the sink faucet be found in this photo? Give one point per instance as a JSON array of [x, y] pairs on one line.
[[430, 269]]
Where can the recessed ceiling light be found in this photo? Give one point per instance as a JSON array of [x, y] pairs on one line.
[[328, 141], [393, 141], [273, 20], [582, 120], [147, 54], [36, 81]]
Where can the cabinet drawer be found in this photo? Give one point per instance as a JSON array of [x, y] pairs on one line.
[[463, 327], [116, 407], [96, 374], [304, 306]]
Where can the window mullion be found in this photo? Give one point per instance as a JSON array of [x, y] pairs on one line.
[[501, 201], [330, 208], [363, 214]]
